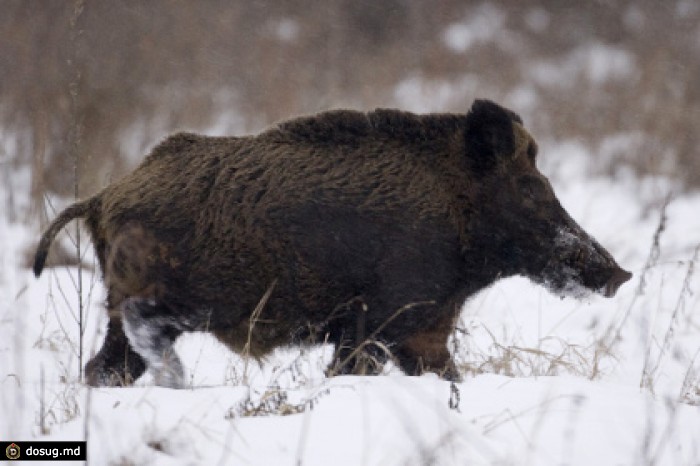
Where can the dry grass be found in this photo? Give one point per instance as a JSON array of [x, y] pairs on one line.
[[690, 389], [364, 358], [605, 346], [649, 372], [100, 83], [254, 317], [552, 356], [274, 401]]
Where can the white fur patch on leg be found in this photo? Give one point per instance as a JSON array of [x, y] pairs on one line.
[[148, 336]]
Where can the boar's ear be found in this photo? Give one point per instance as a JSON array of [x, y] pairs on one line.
[[489, 134]]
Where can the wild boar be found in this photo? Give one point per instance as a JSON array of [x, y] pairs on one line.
[[365, 230]]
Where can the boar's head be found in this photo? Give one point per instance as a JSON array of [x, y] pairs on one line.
[[518, 225]]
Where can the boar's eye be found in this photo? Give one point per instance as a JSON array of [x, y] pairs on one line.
[[532, 187]]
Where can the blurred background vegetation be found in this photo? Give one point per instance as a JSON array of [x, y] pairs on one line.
[[99, 82]]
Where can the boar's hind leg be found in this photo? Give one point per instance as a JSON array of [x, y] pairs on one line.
[[152, 332], [116, 363]]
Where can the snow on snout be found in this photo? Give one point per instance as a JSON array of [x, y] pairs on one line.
[[563, 278]]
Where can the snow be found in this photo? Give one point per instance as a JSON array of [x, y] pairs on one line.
[[286, 30], [597, 62], [482, 25], [418, 94], [538, 19], [546, 380]]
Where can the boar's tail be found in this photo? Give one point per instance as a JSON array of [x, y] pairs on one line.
[[77, 210]]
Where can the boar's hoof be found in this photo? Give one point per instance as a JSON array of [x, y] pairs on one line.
[[114, 370], [451, 374], [116, 364]]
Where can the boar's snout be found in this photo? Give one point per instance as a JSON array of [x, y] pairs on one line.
[[597, 265], [580, 266], [618, 277]]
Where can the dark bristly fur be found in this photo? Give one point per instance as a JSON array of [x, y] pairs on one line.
[[353, 226]]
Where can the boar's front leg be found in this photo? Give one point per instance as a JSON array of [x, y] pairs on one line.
[[415, 347], [116, 364], [355, 351], [426, 350], [350, 359]]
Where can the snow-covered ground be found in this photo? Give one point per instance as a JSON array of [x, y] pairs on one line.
[[547, 381]]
